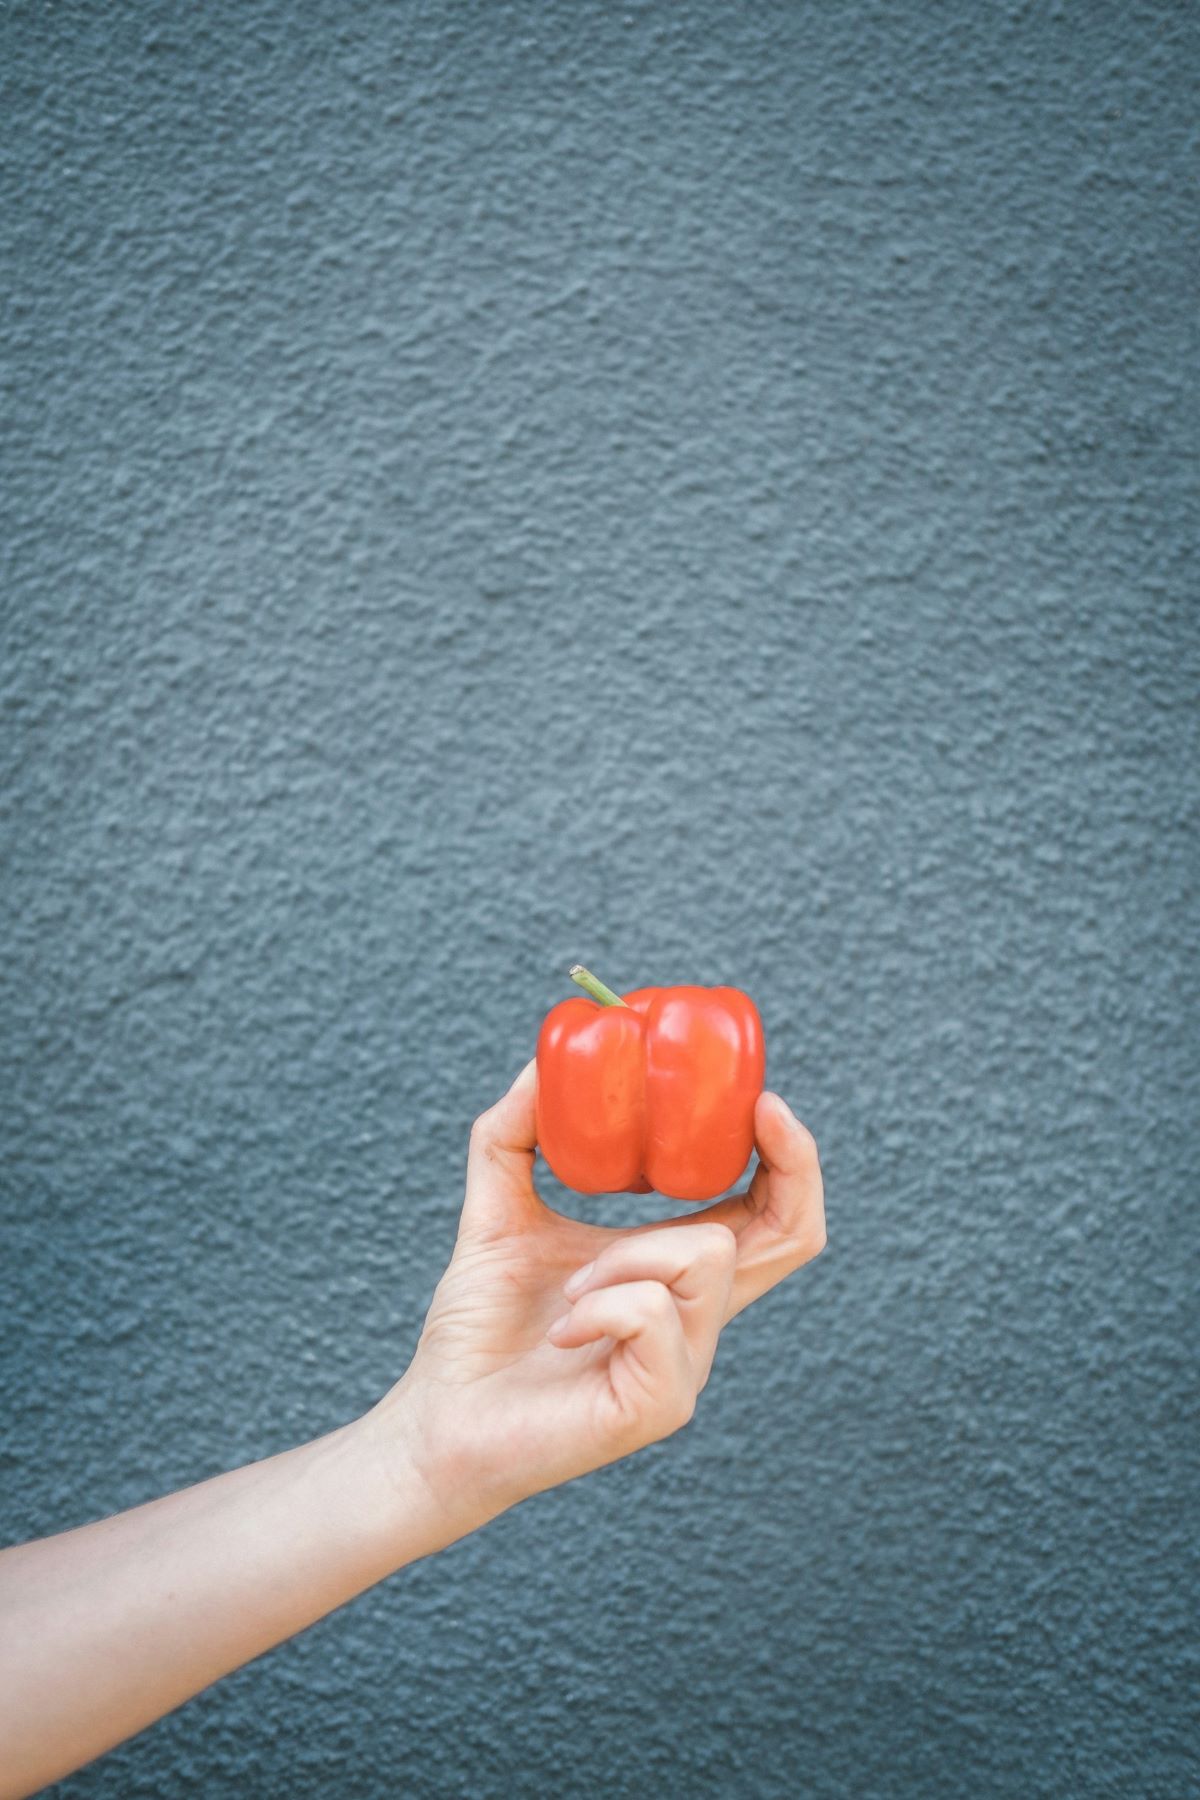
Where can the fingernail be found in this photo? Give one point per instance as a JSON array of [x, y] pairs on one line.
[[556, 1328], [575, 1284]]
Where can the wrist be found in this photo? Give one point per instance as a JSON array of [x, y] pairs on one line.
[[425, 1501]]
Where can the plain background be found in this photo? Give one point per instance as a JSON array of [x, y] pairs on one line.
[[706, 490]]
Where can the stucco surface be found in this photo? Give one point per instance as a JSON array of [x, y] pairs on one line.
[[707, 490]]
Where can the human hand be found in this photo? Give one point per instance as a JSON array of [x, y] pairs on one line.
[[554, 1346]]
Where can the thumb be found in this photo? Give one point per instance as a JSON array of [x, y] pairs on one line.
[[500, 1159]]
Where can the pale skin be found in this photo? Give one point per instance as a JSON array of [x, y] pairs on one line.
[[551, 1348]]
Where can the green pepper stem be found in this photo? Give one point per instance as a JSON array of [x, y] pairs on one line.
[[595, 988]]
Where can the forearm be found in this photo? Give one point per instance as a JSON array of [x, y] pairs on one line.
[[105, 1628]]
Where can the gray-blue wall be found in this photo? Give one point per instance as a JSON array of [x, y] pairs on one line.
[[707, 489]]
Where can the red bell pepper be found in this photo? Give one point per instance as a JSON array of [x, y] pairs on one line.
[[654, 1090]]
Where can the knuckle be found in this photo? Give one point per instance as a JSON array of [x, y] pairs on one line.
[[808, 1242], [719, 1244], [683, 1410], [481, 1129], [808, 1147], [675, 1409], [658, 1304], [607, 1266], [815, 1236]]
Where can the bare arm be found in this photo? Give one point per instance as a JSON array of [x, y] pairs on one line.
[[108, 1627], [551, 1347]]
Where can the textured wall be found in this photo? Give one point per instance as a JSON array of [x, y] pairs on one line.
[[708, 490]]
